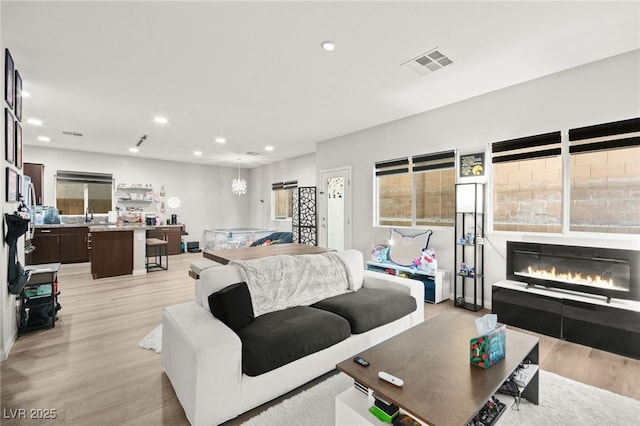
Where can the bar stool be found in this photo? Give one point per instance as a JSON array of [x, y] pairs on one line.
[[156, 249]]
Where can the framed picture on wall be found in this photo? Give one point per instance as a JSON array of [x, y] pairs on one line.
[[472, 165], [12, 185], [18, 147], [9, 137], [9, 83], [18, 187], [18, 96]]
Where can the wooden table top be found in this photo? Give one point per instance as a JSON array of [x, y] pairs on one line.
[[441, 386], [246, 253]]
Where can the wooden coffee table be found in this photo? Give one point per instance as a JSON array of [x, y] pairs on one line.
[[441, 387]]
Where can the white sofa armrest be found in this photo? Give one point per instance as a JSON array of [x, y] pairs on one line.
[[203, 359], [414, 288]]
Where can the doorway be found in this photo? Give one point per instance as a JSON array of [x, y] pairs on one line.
[[335, 216]]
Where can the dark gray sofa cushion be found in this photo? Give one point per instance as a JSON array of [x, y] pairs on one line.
[[278, 338], [232, 305], [369, 308]]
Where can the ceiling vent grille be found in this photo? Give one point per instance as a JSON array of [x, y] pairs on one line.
[[428, 62], [71, 133], [251, 153]]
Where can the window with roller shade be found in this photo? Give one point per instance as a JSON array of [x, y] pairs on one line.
[[416, 191], [394, 187], [78, 191], [282, 199], [435, 188], [605, 178], [527, 184]]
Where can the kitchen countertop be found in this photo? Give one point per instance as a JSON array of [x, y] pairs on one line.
[[97, 227], [125, 227], [101, 227]]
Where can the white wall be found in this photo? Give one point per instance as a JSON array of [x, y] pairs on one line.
[[8, 324], [204, 191], [603, 91], [302, 169]]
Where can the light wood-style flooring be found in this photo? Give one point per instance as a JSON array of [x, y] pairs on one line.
[[91, 371]]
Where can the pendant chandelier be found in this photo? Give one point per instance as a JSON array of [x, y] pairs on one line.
[[239, 185]]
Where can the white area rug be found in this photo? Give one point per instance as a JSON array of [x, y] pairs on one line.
[[562, 402], [153, 340]]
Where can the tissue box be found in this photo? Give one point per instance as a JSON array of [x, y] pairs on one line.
[[488, 349]]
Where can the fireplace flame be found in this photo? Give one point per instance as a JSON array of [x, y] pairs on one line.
[[571, 277]]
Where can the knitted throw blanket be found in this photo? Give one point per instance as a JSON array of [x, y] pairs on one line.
[[284, 281]]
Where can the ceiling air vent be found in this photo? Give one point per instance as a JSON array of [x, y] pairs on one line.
[[428, 62], [251, 153], [71, 133]]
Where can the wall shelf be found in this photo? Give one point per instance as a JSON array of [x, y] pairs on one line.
[[135, 197]]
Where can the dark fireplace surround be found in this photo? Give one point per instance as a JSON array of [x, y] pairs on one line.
[[602, 310], [612, 273]]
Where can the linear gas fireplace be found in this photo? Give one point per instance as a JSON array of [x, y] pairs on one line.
[[612, 273]]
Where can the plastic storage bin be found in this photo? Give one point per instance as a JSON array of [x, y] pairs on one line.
[[218, 239]]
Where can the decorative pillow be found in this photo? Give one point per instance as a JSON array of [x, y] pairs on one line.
[[404, 249], [232, 305]]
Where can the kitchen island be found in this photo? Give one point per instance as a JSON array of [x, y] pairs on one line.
[[113, 250], [117, 249]]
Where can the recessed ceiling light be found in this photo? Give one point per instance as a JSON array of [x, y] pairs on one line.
[[160, 120], [198, 153], [221, 140], [328, 45], [34, 122], [25, 94], [44, 139], [268, 148], [133, 149]]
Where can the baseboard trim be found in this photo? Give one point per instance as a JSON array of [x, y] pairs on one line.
[[4, 352]]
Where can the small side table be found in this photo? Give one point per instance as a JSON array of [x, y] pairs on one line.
[[156, 249]]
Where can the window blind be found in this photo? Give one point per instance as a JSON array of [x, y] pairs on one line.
[[86, 177], [538, 146], [617, 134], [392, 167], [435, 161], [284, 185]]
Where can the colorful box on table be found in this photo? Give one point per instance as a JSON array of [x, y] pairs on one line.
[[488, 349]]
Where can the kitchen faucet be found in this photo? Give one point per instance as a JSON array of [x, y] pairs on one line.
[[88, 212]]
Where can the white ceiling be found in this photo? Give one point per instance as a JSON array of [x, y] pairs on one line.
[[254, 72]]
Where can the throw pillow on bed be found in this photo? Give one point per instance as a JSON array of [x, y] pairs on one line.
[[232, 305]]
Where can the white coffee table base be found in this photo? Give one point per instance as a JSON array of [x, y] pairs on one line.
[[352, 409]]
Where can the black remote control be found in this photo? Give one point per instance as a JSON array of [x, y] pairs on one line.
[[363, 362]]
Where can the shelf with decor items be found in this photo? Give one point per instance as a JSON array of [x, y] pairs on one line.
[[468, 288], [135, 197], [436, 287]]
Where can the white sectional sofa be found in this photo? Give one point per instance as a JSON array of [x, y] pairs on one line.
[[203, 357]]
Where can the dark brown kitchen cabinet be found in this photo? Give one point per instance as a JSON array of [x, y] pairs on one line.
[[73, 245], [171, 234], [36, 172], [111, 253], [59, 244], [47, 246]]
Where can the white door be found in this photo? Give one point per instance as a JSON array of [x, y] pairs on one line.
[[335, 215]]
